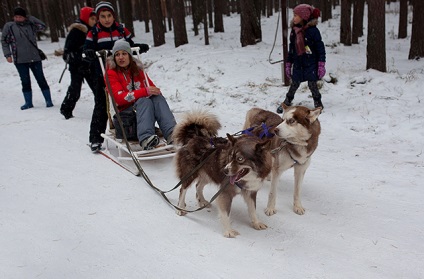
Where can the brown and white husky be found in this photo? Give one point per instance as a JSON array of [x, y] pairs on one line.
[[297, 133], [239, 165]]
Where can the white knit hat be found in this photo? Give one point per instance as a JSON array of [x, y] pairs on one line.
[[121, 45]]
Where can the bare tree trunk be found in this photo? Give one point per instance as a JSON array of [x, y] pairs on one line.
[[326, 10], [376, 39], [403, 19], [210, 13], [205, 26], [249, 23], [219, 21], [178, 18], [358, 20], [145, 14], [127, 16], [169, 13], [417, 35], [345, 26], [157, 23]]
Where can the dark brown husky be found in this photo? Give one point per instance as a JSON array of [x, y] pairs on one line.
[[237, 164]]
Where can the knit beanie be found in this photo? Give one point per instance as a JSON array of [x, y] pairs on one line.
[[19, 11], [104, 6], [304, 11], [121, 45], [86, 13]]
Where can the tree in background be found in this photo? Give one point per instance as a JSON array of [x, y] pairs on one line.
[[178, 19], [417, 35], [403, 19], [376, 39], [325, 8], [157, 22], [358, 20], [345, 26], [219, 7], [250, 32], [125, 8]]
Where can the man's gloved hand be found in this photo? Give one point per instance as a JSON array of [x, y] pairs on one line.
[[321, 69], [143, 48], [90, 54], [288, 70]]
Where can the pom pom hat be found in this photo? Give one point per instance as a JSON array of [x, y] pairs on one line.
[[104, 6], [121, 45], [306, 12], [19, 11]]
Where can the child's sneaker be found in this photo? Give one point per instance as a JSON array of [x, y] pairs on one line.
[[150, 143]]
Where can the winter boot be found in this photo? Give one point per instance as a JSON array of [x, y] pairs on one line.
[[28, 100], [47, 97], [96, 147], [318, 103], [287, 102], [66, 114]]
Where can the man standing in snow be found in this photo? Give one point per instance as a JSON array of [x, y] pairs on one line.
[[19, 45]]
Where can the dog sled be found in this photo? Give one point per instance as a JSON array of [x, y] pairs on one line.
[[122, 151]]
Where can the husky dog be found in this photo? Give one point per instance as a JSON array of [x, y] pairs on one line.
[[296, 140], [239, 165]]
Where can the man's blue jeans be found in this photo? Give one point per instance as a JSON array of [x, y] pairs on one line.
[[37, 71]]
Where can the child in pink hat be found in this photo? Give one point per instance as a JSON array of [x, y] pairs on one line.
[[306, 57]]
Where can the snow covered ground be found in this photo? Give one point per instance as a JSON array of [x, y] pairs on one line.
[[66, 213]]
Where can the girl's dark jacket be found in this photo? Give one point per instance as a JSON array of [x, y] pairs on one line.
[[305, 66], [74, 45]]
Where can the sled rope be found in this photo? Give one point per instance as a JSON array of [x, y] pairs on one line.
[[135, 160]]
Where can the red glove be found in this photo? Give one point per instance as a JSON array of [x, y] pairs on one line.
[[321, 70], [288, 70]]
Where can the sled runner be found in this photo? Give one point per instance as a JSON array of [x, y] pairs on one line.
[[118, 150]]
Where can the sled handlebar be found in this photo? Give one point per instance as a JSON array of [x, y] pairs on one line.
[[109, 52]]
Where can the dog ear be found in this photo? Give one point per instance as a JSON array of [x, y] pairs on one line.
[[231, 138], [263, 145], [284, 106], [313, 114]]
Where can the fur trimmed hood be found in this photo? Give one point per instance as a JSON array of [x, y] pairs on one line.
[[78, 25], [111, 64], [312, 22]]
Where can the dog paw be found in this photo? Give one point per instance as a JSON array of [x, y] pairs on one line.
[[259, 226], [298, 209], [204, 203], [231, 233], [180, 212], [270, 211]]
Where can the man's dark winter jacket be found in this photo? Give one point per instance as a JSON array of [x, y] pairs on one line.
[[305, 66]]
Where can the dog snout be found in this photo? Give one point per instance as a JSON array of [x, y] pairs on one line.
[[276, 130], [226, 170]]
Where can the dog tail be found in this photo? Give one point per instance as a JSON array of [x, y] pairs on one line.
[[197, 123]]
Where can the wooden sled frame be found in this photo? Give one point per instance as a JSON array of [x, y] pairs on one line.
[[117, 150]]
